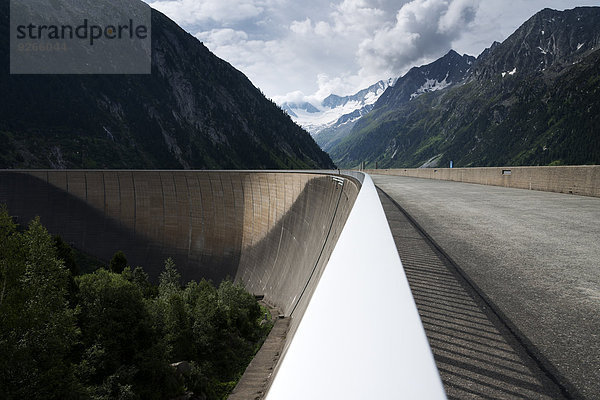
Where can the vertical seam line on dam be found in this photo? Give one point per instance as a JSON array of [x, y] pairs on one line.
[[103, 192], [120, 199], [190, 222], [164, 219], [134, 203]]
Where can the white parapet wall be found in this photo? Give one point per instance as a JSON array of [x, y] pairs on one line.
[[583, 180], [361, 336]]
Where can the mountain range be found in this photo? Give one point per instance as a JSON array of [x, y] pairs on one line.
[[324, 119], [193, 111], [530, 100]]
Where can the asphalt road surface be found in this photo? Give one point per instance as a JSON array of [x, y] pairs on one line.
[[534, 257]]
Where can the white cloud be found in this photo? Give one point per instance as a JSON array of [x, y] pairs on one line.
[[310, 49], [296, 96], [322, 28], [222, 37], [423, 29], [458, 16], [302, 27], [357, 16], [224, 11]]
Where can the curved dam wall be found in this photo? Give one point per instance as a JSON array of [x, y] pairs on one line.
[[315, 244], [272, 231]]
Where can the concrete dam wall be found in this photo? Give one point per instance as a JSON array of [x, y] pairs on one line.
[[583, 180], [271, 231], [317, 245]]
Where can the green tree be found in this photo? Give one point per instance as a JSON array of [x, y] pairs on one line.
[[10, 249], [38, 327], [65, 253], [114, 335], [118, 262], [122, 352], [170, 278], [238, 330], [141, 279], [171, 315]]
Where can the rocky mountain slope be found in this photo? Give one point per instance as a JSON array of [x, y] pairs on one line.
[[194, 111], [445, 72], [440, 74], [531, 100]]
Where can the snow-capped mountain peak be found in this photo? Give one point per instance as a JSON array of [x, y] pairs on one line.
[[304, 106], [316, 117], [363, 97]]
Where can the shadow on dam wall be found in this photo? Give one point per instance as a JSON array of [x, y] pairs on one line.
[[272, 231]]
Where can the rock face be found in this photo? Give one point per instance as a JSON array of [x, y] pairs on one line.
[[531, 100], [548, 40], [194, 111], [440, 74]]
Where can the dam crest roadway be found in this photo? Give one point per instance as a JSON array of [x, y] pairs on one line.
[[501, 274]]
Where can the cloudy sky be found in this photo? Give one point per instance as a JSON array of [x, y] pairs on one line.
[[307, 49]]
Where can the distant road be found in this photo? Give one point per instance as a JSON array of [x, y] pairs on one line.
[[534, 255]]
